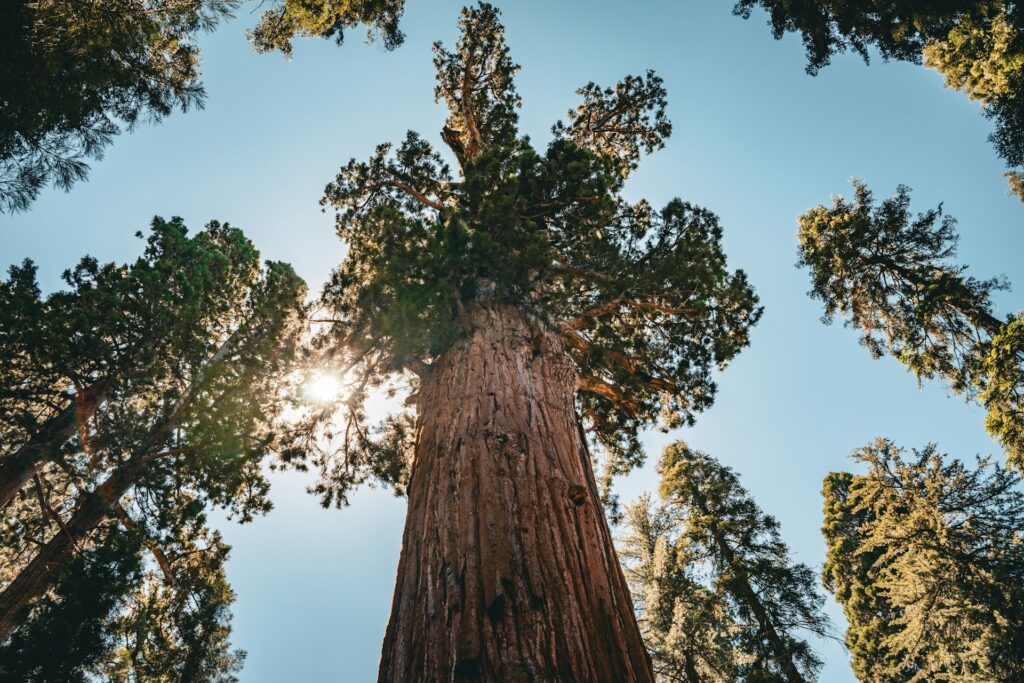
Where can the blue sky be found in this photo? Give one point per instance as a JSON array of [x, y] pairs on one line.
[[756, 140]]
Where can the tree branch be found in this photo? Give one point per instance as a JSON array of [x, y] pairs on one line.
[[154, 547], [414, 193], [608, 392]]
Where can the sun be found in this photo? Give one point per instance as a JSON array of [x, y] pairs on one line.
[[323, 388]]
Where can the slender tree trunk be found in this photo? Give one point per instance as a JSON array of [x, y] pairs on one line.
[[508, 572], [746, 594], [42, 572], [17, 469]]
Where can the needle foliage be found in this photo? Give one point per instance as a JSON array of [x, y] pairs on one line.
[[642, 297]]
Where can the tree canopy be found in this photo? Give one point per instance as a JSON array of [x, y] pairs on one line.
[[718, 594], [77, 72], [977, 45], [924, 555], [642, 297], [890, 274], [178, 372]]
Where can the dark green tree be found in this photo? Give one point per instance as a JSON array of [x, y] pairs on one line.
[[977, 45], [66, 636], [113, 327], [77, 72], [890, 274], [924, 555], [527, 305], [194, 412], [721, 597], [113, 615]]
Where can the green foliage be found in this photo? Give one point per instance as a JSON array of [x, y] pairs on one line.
[[980, 56], [76, 71], [889, 274], [66, 636], [187, 360], [289, 19], [1016, 181], [116, 617], [643, 298], [1002, 371], [688, 628], [977, 45], [898, 30], [184, 352], [176, 626], [719, 597], [926, 558]]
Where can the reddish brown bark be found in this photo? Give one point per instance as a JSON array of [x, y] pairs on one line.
[[508, 572]]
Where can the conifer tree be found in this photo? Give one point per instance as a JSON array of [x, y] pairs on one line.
[[528, 306], [977, 45], [684, 617], [194, 345], [890, 275], [720, 597], [924, 555], [77, 72], [113, 615], [289, 19]]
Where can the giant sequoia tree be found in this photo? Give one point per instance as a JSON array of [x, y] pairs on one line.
[[925, 556], [530, 307], [978, 45], [890, 274]]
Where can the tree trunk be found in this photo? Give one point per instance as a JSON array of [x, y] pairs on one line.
[[17, 469], [745, 593], [43, 571], [507, 572]]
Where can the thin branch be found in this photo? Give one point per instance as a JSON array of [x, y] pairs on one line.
[[414, 193], [154, 547]]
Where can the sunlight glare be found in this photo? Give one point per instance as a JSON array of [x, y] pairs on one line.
[[323, 388]]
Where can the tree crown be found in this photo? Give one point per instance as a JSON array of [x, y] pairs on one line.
[[642, 297]]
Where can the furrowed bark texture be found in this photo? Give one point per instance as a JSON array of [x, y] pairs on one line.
[[42, 572], [508, 572]]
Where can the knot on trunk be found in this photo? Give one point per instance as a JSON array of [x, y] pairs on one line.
[[576, 493]]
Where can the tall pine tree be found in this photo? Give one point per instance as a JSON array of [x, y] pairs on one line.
[[890, 274], [720, 597], [528, 305]]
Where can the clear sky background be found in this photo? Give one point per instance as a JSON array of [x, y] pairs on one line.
[[756, 140]]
